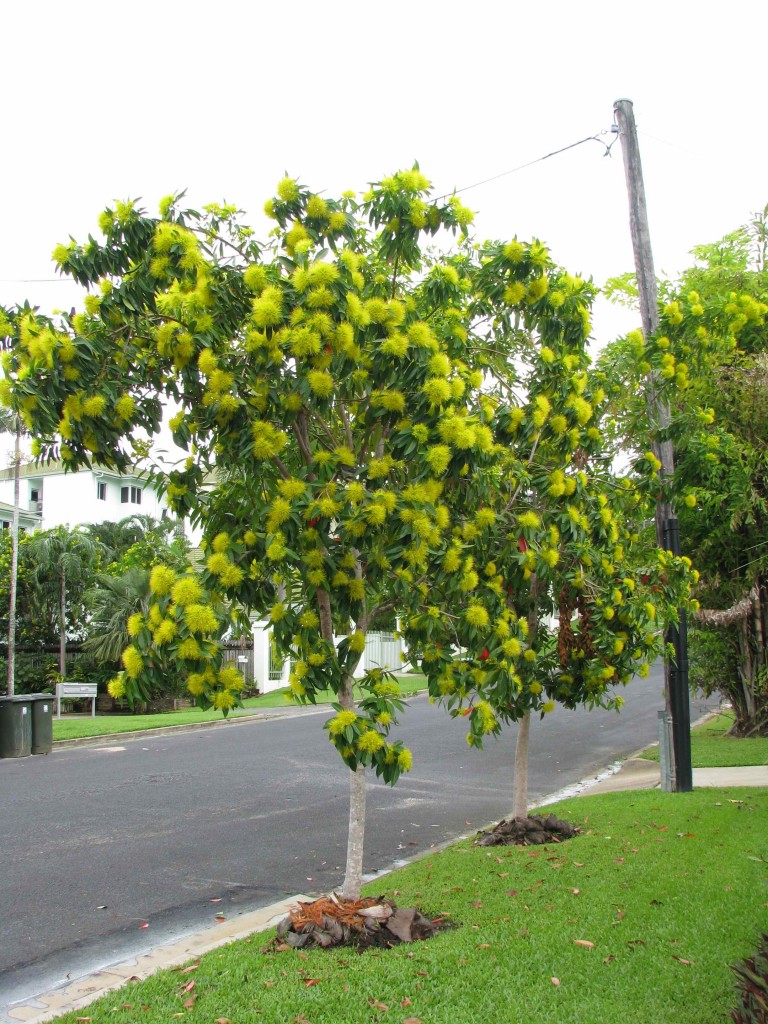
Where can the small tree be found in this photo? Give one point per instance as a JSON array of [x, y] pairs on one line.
[[559, 609], [312, 376]]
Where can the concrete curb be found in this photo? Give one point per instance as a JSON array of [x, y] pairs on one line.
[[168, 730], [85, 990]]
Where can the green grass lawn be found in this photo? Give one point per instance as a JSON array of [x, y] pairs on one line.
[[635, 920], [711, 748], [105, 725]]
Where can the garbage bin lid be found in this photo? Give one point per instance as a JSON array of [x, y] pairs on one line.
[[19, 697]]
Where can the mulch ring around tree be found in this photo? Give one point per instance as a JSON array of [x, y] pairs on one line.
[[333, 921], [535, 830]]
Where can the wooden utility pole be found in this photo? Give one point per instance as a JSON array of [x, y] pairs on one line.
[[667, 525]]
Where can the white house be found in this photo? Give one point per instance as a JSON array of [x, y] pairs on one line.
[[49, 497]]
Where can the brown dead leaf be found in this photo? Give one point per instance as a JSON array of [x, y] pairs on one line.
[[301, 1019], [555, 981], [301, 956], [484, 945], [406, 1002], [188, 987], [609, 958], [584, 942], [413, 1020], [192, 967], [575, 891], [376, 1004], [680, 960], [312, 981], [224, 1020], [190, 1001]]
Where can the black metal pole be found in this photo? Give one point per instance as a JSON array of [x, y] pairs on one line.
[[679, 694]]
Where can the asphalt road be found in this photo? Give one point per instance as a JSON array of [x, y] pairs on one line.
[[114, 847]]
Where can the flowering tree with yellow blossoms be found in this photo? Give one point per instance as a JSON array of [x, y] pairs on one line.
[[179, 630], [558, 607], [372, 429]]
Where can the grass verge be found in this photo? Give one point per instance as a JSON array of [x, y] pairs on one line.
[[637, 919], [711, 748], [105, 725]]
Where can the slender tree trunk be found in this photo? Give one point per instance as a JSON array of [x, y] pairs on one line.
[[353, 873], [14, 563], [520, 788], [520, 783], [63, 625]]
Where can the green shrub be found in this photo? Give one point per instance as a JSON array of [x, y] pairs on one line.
[[753, 987]]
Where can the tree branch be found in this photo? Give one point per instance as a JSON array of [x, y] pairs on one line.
[[727, 616]]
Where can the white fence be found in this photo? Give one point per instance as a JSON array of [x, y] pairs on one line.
[[382, 650]]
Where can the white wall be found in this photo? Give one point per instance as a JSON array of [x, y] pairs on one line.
[[71, 499]]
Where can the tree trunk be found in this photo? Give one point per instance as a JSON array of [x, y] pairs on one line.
[[14, 563], [520, 786], [520, 782], [63, 625], [353, 875]]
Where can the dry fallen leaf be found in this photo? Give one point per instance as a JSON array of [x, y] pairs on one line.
[[680, 960], [413, 1020], [376, 1004], [575, 891], [555, 981], [312, 981], [584, 942], [189, 1002], [192, 967], [224, 1020]]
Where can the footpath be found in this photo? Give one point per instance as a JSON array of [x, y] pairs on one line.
[[634, 773]]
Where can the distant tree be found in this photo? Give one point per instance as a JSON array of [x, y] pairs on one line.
[[111, 601], [64, 563]]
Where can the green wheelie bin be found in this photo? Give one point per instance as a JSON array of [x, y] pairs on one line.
[[42, 723], [15, 726]]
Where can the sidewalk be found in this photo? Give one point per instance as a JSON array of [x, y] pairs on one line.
[[634, 773], [637, 773]]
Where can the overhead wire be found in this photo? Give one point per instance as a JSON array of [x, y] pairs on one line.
[[597, 137]]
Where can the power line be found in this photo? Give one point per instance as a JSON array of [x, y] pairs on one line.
[[540, 159], [502, 174]]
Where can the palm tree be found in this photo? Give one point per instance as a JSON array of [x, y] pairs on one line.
[[111, 602], [64, 560]]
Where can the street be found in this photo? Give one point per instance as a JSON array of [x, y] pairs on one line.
[[117, 846]]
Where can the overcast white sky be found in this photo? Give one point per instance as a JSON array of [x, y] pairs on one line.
[[104, 100]]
